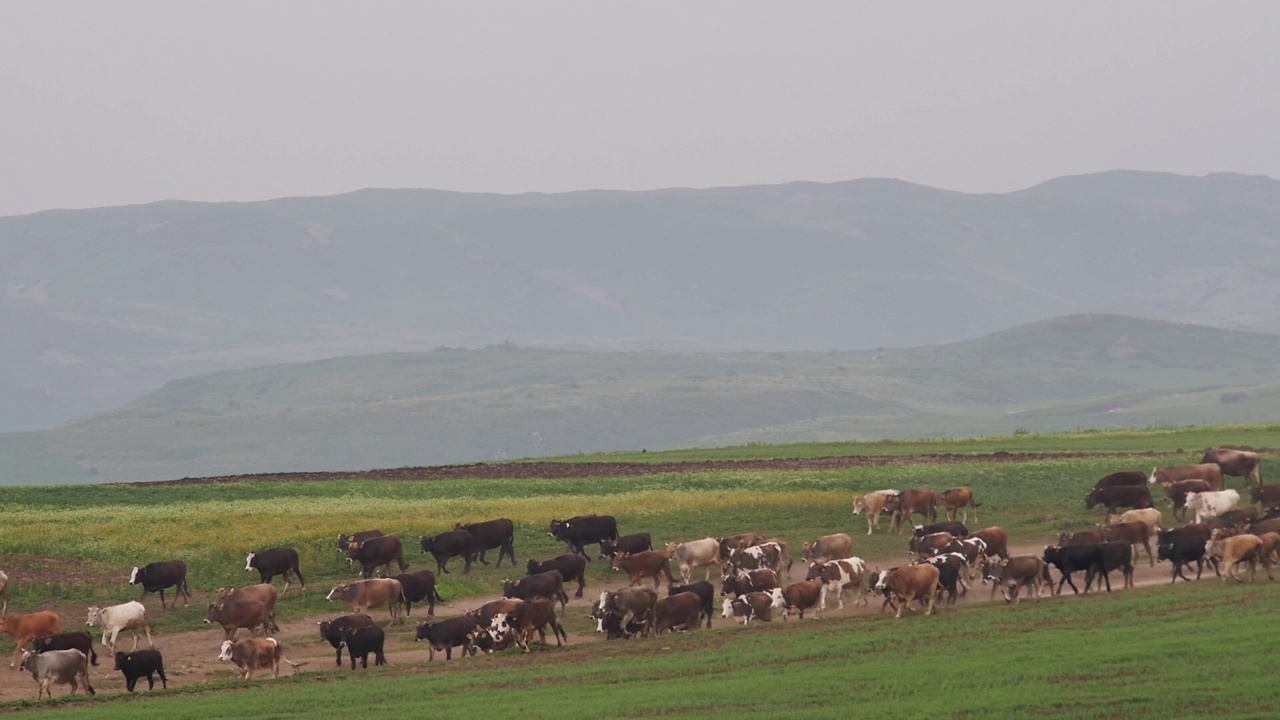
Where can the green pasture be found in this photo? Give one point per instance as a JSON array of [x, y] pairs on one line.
[[1191, 651]]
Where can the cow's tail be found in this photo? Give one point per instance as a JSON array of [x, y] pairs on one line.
[[298, 571], [436, 593], [93, 655], [295, 664]]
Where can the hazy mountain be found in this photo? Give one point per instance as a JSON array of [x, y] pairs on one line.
[[102, 305], [505, 401]]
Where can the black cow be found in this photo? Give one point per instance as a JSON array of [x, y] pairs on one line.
[[1124, 477], [1074, 558], [630, 544], [582, 530], [611, 624], [345, 541], [571, 567], [273, 562], [547, 585], [1181, 552], [1115, 556], [417, 587], [957, 529], [446, 634], [360, 641], [371, 553], [950, 567], [500, 533], [704, 590], [160, 575], [446, 546], [80, 640], [139, 664], [1117, 496], [333, 630]]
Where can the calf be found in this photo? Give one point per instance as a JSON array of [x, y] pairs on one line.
[[160, 575], [527, 618], [139, 664], [118, 618], [752, 606], [333, 630], [56, 667], [745, 581], [446, 634], [418, 587], [25, 628], [273, 562], [572, 568], [547, 586], [873, 504], [652, 564], [633, 543], [681, 611], [446, 546], [706, 592], [904, 585], [78, 640], [1019, 572], [360, 641], [798, 596], [828, 547], [1232, 551], [255, 654], [491, 534], [1133, 533]]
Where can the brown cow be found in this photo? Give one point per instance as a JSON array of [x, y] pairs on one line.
[[1236, 463], [1235, 550], [1269, 553], [1266, 495], [959, 498], [364, 594], [928, 545], [680, 611], [485, 613], [1125, 477], [828, 547], [524, 620], [911, 583], [1091, 536], [875, 503], [1018, 572], [784, 556], [1209, 472], [1176, 493], [917, 501], [798, 596], [1133, 533], [638, 566], [240, 613], [256, 654], [632, 604], [997, 541], [25, 628]]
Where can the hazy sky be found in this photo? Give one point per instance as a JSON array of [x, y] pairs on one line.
[[128, 102]]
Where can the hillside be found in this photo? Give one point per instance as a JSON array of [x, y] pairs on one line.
[[450, 406], [101, 306]]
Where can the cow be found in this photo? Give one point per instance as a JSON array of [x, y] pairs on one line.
[[912, 583], [364, 594], [4, 593], [639, 566], [273, 562], [262, 592], [1209, 472], [874, 503], [547, 586], [577, 532], [746, 581], [77, 640], [1183, 551], [926, 545], [377, 551], [446, 634], [917, 501], [1073, 558], [446, 546], [1232, 551], [1124, 477], [705, 592], [681, 611], [1134, 533], [695, 554], [233, 614], [1018, 572], [828, 547], [959, 498], [752, 606], [837, 576], [332, 631], [634, 604], [118, 618], [360, 641], [784, 557], [1263, 525], [1119, 496], [956, 528], [345, 541], [798, 596], [1147, 516], [1176, 493], [1092, 536], [157, 576], [633, 543], [253, 654], [418, 587], [1270, 551], [140, 664], [479, 640], [1211, 504], [1268, 496], [1115, 556], [528, 617], [485, 613], [56, 667], [1236, 518], [951, 571], [490, 534], [572, 568], [1236, 463], [768, 555], [997, 541], [741, 541], [973, 550]]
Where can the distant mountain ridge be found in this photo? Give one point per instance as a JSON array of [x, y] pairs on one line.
[[506, 401], [100, 306]]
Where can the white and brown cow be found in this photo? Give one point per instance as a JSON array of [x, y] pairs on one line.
[[837, 576], [253, 654], [873, 504], [1211, 504]]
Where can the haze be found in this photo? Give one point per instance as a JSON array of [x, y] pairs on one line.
[[131, 102]]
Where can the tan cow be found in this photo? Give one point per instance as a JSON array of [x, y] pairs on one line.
[[959, 498], [874, 503], [828, 547], [1018, 572], [903, 585], [1232, 551], [1147, 516], [694, 554], [364, 594]]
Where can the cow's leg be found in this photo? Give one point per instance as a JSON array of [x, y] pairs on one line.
[[148, 631], [1146, 543], [1066, 578]]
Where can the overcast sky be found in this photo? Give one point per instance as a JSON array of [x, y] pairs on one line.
[[129, 102]]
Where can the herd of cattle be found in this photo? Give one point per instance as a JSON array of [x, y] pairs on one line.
[[947, 559]]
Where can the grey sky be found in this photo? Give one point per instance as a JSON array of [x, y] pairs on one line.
[[127, 102]]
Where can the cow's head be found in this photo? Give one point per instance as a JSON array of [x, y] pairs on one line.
[[337, 590], [225, 655], [726, 610], [777, 599], [248, 561], [533, 567], [212, 614], [27, 658], [858, 504], [324, 629], [95, 616], [420, 633], [509, 588], [133, 575], [607, 548]]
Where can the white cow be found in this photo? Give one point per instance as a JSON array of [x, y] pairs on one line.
[[874, 503], [57, 667], [1212, 504], [694, 554], [1148, 516], [115, 619]]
